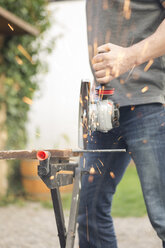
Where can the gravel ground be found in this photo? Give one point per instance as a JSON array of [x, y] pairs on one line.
[[32, 226]]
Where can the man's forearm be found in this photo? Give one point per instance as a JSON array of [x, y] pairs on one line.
[[151, 47]]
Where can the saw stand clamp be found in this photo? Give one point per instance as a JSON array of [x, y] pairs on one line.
[[50, 170]]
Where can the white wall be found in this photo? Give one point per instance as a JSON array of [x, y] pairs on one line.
[[55, 109]]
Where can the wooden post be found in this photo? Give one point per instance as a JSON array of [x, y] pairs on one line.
[[3, 132]]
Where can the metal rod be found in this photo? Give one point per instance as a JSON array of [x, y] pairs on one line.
[[99, 150], [59, 216]]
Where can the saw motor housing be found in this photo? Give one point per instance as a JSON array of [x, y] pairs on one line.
[[103, 115], [97, 114]]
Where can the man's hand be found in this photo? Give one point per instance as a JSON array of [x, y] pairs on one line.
[[112, 61]]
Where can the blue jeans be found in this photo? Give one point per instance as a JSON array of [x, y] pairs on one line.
[[142, 134]]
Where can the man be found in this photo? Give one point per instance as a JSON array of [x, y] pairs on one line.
[[131, 34]]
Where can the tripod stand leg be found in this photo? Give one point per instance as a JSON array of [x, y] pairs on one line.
[[74, 209], [59, 216]]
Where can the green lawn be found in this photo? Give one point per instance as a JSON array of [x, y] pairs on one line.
[[128, 200]]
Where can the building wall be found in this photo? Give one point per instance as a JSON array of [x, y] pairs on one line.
[[53, 119]]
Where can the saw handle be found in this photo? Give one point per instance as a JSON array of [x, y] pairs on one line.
[[105, 86]]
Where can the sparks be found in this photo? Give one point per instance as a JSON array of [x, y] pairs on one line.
[[92, 170], [90, 179], [105, 5], [84, 162], [51, 178], [25, 53], [150, 62], [129, 95], [98, 169], [19, 60], [95, 46], [12, 29], [81, 102], [127, 10], [112, 174], [144, 89], [27, 100], [120, 138], [101, 90], [85, 136], [101, 162]]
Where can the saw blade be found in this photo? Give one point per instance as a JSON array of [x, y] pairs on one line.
[[83, 114]]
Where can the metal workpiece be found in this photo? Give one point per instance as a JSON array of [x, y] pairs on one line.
[[56, 155], [98, 150]]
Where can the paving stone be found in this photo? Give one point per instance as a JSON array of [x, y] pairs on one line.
[[33, 226]]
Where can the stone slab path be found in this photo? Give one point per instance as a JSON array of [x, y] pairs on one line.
[[33, 226]]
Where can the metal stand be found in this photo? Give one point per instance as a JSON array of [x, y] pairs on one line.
[[51, 162], [74, 209], [59, 216], [49, 171]]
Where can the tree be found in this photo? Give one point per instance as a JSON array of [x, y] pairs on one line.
[[19, 66]]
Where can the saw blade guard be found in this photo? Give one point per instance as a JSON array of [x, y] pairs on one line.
[[83, 114]]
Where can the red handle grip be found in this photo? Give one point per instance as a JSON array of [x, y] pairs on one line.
[[42, 155]]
